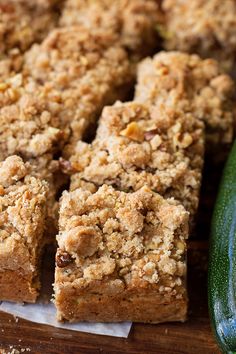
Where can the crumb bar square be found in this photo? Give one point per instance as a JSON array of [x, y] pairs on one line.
[[207, 28], [23, 23], [192, 85], [121, 257], [27, 127], [77, 72], [138, 145], [22, 222], [133, 22]]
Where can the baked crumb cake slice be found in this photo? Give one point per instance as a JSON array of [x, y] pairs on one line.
[[192, 85], [30, 129], [27, 127], [134, 22], [121, 256], [207, 28], [138, 145], [22, 23], [22, 222], [79, 71]]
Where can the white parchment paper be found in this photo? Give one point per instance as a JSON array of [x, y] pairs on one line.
[[44, 311], [45, 314]]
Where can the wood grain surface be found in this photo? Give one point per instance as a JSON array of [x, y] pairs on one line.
[[192, 337]]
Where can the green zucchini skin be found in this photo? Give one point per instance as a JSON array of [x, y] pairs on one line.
[[222, 260]]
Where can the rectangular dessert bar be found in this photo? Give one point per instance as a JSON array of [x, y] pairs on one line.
[[121, 257], [138, 145], [207, 28], [194, 86], [78, 71], [22, 221], [134, 22], [27, 127], [22, 23], [30, 130]]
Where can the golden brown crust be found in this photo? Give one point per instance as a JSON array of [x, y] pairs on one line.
[[121, 249], [22, 221], [192, 85]]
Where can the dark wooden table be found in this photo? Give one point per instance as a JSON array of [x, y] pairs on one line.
[[192, 337]]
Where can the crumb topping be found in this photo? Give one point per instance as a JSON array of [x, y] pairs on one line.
[[23, 23], [133, 22], [27, 127], [137, 145], [191, 85], [22, 208], [79, 71], [204, 27], [127, 239]]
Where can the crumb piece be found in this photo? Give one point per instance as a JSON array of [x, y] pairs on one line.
[[77, 72], [126, 259], [207, 28], [194, 86], [22, 223], [132, 22], [22, 23], [138, 145]]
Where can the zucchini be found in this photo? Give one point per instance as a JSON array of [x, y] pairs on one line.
[[222, 260]]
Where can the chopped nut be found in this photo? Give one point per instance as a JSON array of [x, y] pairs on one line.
[[13, 94], [183, 141], [3, 86], [76, 166], [66, 166], [133, 131], [187, 140], [1, 190], [27, 195], [84, 60], [156, 142], [148, 135], [180, 245], [63, 259]]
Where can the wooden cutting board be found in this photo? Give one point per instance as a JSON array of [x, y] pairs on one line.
[[192, 337]]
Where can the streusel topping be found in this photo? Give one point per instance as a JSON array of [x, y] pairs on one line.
[[133, 22], [207, 28], [137, 145], [22, 206], [27, 127], [191, 85], [79, 71], [123, 239]]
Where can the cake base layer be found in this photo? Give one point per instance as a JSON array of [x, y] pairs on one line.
[[99, 308], [15, 287]]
